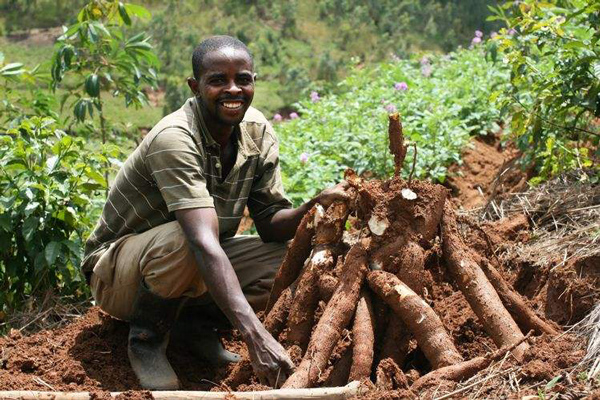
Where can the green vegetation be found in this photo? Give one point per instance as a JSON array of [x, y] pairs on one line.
[[553, 50], [49, 186], [443, 100]]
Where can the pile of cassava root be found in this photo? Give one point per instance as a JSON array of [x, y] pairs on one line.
[[341, 295]]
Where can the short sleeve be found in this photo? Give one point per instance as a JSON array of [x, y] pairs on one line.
[[267, 194], [175, 164]]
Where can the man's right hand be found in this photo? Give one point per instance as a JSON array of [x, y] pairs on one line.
[[270, 361]]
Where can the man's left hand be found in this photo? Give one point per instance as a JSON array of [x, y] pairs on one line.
[[334, 193]]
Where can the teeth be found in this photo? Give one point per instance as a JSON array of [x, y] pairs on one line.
[[232, 105]]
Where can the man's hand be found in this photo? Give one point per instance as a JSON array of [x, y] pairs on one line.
[[334, 193], [270, 361]]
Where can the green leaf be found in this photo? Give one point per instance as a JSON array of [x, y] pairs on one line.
[[92, 85], [138, 11], [124, 15], [51, 252], [30, 227]]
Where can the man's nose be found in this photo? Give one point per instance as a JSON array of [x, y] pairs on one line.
[[233, 89]]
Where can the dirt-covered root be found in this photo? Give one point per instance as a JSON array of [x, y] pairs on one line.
[[338, 376], [465, 369], [327, 284], [420, 318], [336, 317], [329, 228], [476, 288], [516, 305], [396, 341], [389, 376], [295, 257], [405, 259], [275, 321], [241, 374], [397, 146], [363, 334]]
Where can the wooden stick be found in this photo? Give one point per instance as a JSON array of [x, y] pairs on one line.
[[344, 392], [397, 146]]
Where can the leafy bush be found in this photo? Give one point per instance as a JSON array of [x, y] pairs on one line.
[[553, 50], [442, 100], [49, 183]]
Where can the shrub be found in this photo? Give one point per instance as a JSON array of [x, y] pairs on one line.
[[553, 50], [48, 188]]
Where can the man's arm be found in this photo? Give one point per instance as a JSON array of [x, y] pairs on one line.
[[282, 224], [268, 357]]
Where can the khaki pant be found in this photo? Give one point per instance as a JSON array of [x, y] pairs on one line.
[[163, 258]]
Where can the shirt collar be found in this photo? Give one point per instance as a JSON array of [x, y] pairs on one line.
[[245, 143]]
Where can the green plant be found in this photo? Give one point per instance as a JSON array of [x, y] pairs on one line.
[[553, 51], [102, 59], [48, 204], [20, 93], [443, 100]]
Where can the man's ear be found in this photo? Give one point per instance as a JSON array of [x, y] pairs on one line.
[[254, 76], [193, 84]]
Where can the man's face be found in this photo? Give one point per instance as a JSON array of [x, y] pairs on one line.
[[226, 86]]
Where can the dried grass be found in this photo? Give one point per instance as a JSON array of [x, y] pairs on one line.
[[46, 312], [565, 218]]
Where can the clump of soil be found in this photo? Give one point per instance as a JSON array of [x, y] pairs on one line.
[[487, 169]]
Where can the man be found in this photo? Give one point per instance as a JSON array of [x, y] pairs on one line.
[[166, 232]]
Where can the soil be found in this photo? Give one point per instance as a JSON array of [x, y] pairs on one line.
[[487, 169], [90, 354]]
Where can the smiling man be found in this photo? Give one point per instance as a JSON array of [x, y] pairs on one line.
[[164, 255]]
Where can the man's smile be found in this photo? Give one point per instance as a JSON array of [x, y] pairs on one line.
[[232, 104]]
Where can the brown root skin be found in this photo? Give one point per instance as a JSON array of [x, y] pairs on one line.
[[241, 374], [466, 369], [327, 284], [363, 333], [389, 376], [420, 318], [397, 146], [301, 316], [275, 321], [294, 258], [329, 228], [516, 305], [477, 289], [341, 370], [336, 317], [396, 342]]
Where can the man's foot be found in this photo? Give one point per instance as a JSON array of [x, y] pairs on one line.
[[196, 331], [150, 323]]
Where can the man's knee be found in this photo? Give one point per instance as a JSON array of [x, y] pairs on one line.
[[169, 266]]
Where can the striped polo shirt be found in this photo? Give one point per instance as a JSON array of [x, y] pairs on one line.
[[177, 166]]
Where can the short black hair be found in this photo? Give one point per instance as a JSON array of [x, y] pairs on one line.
[[215, 43]]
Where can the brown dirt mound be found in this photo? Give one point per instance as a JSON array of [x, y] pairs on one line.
[[487, 169]]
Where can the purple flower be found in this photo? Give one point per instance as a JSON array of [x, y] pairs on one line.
[[293, 115], [390, 108], [277, 118], [314, 96], [424, 60], [476, 40], [511, 32], [426, 71], [400, 86], [493, 34], [304, 158], [478, 34]]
